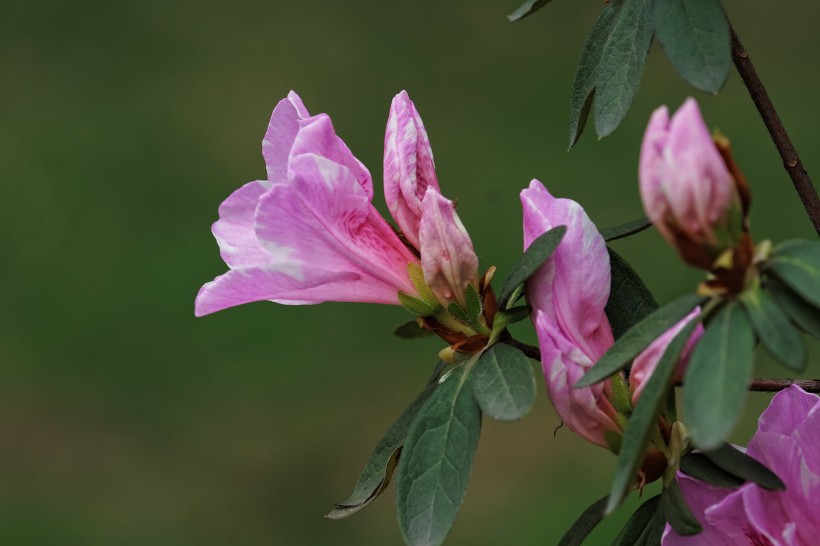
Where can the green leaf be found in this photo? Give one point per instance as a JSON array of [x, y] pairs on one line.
[[504, 383], [805, 315], [378, 470], [774, 329], [583, 88], [625, 230], [415, 305], [411, 330], [630, 301], [534, 257], [677, 513], [637, 338], [527, 8], [741, 465], [718, 376], [473, 302], [638, 522], [436, 462], [797, 263], [695, 36], [653, 533], [645, 417], [621, 65], [455, 310], [699, 466], [585, 523]]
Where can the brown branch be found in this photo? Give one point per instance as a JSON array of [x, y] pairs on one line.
[[757, 385], [791, 161]]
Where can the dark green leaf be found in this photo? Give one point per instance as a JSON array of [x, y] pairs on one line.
[[527, 8], [584, 525], [504, 383], [455, 310], [805, 315], [645, 417], [637, 338], [622, 64], [677, 513], [534, 257], [638, 522], [718, 376], [411, 330], [436, 462], [797, 263], [583, 88], [741, 465], [630, 301], [378, 470], [695, 36], [415, 305], [625, 230], [774, 329], [473, 302], [653, 533], [699, 466]]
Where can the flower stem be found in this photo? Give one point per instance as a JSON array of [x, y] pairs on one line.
[[756, 385], [791, 161]]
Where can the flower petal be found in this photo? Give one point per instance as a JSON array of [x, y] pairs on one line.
[[699, 496], [650, 170], [234, 231], [586, 411], [787, 410], [572, 288], [408, 166], [281, 133], [447, 256]]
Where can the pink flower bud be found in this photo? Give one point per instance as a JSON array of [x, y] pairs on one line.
[[687, 190]]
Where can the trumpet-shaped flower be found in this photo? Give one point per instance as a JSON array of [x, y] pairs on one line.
[[310, 233], [568, 295], [687, 189], [786, 442]]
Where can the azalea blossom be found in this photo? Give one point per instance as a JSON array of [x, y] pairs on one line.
[[568, 295], [310, 233], [687, 189], [787, 443]]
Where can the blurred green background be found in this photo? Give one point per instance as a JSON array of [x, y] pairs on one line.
[[124, 420]]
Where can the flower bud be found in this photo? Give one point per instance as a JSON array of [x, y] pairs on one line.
[[687, 190]]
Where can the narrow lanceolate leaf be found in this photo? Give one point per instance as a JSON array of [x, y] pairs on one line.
[[645, 417], [585, 523], [534, 257], [637, 338], [583, 88], [797, 263], [625, 230], [376, 474], [718, 376], [527, 8], [622, 64], [774, 329], [677, 512], [411, 330], [436, 462], [630, 301], [638, 523], [695, 36], [802, 313], [699, 466], [504, 383], [741, 465], [473, 302], [653, 533], [415, 305]]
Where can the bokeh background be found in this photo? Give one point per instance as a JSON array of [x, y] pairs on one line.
[[124, 420]]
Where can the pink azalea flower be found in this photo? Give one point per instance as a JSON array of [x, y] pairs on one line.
[[568, 295], [787, 443], [310, 233], [686, 187]]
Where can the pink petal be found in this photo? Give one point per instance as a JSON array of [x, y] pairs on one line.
[[651, 167], [586, 411], [699, 497], [572, 288], [408, 166], [447, 256], [234, 231], [788, 409], [281, 133], [645, 363]]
